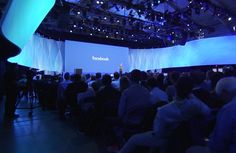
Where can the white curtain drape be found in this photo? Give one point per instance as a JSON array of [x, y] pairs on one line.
[[42, 53], [211, 51]]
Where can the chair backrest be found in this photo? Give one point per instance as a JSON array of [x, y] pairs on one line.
[[135, 116], [180, 139], [87, 103]]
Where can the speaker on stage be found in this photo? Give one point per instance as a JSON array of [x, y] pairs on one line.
[[78, 71]]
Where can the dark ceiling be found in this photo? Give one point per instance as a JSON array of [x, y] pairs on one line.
[[139, 23]]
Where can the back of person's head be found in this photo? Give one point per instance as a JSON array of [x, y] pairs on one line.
[[228, 71], [160, 81], [174, 76], [124, 83], [226, 88], [106, 80], [209, 74], [144, 75], [216, 76], [98, 75], [135, 75], [152, 82], [197, 76], [93, 77], [116, 75], [183, 86], [76, 77], [67, 76], [87, 76]]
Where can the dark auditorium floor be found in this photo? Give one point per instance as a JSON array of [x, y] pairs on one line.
[[43, 133]]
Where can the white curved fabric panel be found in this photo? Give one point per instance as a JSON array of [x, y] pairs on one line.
[[210, 51], [23, 18], [42, 53]]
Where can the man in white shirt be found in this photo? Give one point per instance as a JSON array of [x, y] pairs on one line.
[[157, 95], [132, 99], [223, 138]]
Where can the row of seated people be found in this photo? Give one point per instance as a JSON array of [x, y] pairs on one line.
[[144, 111]]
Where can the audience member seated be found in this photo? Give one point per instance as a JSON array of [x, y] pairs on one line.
[[200, 90], [207, 80], [184, 108], [87, 78], [77, 86], [84, 95], [228, 71], [170, 90], [133, 100], [223, 138], [60, 94], [107, 98], [97, 84], [92, 80], [124, 83], [157, 95], [143, 80], [160, 81], [116, 81]]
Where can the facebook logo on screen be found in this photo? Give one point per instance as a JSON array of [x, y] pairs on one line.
[[100, 58], [92, 58]]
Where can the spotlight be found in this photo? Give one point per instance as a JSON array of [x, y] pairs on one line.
[[122, 38], [71, 31], [229, 18], [117, 32], [98, 2], [90, 34], [74, 26], [106, 36], [105, 18], [234, 28], [78, 12]]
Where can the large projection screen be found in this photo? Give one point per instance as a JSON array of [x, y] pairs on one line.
[[92, 58]]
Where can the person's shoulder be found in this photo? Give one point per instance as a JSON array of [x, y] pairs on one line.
[[166, 108], [230, 107]]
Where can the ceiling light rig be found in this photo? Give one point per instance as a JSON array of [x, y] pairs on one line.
[[138, 21], [223, 15]]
